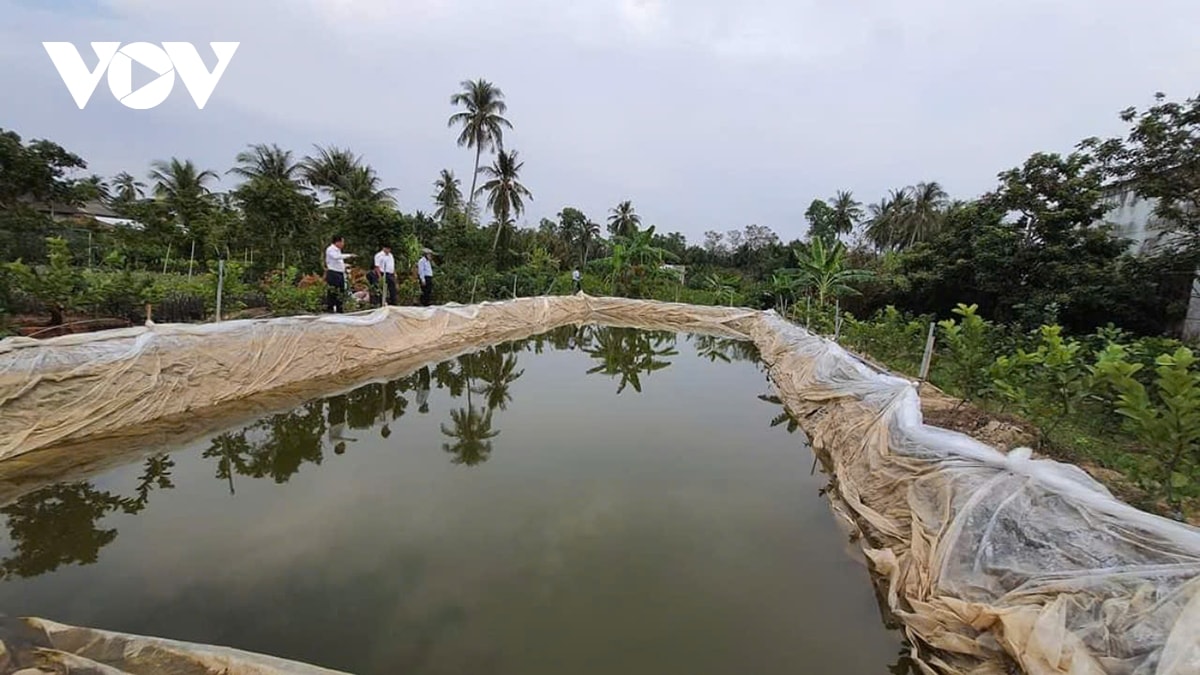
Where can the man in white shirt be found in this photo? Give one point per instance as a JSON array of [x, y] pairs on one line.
[[578, 279], [385, 271], [425, 277], [335, 273]]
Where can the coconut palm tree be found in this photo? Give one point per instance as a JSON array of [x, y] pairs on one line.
[[887, 222], [266, 161], [622, 221], [362, 186], [482, 120], [127, 189], [448, 196], [588, 232], [505, 193], [326, 169], [183, 188], [92, 188], [846, 212], [929, 202]]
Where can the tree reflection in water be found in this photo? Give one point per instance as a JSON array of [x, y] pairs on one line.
[[60, 525], [628, 353]]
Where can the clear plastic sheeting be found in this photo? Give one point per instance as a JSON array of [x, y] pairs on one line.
[[989, 558], [39, 646]]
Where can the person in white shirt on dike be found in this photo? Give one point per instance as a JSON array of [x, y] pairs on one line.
[[385, 270], [425, 277], [335, 273]]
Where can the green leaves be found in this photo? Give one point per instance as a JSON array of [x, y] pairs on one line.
[[1167, 419], [967, 346], [1046, 384]]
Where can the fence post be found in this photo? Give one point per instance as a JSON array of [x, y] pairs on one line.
[[928, 356], [220, 285]]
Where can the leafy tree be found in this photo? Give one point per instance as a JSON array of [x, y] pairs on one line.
[[1160, 160], [35, 171], [183, 188], [279, 211], [821, 223], [482, 120], [56, 285]]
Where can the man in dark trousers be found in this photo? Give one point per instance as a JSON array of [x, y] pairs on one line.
[[425, 276], [335, 273]]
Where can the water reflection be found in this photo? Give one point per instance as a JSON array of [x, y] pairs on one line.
[[60, 525], [627, 353]]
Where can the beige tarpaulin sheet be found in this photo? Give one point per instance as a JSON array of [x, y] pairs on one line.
[[989, 557]]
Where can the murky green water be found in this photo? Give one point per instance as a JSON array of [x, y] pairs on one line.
[[589, 501]]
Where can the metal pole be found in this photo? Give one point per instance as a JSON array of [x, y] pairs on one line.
[[473, 284], [89, 249], [807, 312], [220, 285], [166, 259], [514, 287], [192, 259], [837, 321], [925, 360]]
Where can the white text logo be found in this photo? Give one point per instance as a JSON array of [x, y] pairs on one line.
[[164, 62]]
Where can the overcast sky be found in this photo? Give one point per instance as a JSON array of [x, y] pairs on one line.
[[708, 114]]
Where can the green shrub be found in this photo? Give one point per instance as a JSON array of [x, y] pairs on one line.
[[284, 297], [1164, 419], [966, 346], [1047, 384]]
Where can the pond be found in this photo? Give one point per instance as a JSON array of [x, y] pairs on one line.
[[592, 500]]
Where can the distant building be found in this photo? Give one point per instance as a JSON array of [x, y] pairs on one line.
[[83, 213], [1132, 217]]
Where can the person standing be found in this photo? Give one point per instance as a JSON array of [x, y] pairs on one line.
[[578, 279], [425, 276], [385, 271], [335, 273]]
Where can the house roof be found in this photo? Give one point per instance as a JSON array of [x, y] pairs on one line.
[[92, 208]]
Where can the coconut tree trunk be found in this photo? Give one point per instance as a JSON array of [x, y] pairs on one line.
[[474, 177]]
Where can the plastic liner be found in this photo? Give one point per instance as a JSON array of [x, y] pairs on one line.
[[989, 558], [37, 645]]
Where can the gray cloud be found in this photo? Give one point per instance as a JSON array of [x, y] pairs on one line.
[[706, 114]]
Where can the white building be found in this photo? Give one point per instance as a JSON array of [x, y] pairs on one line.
[[1133, 218]]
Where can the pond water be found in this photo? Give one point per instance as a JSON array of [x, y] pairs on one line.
[[592, 500]]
